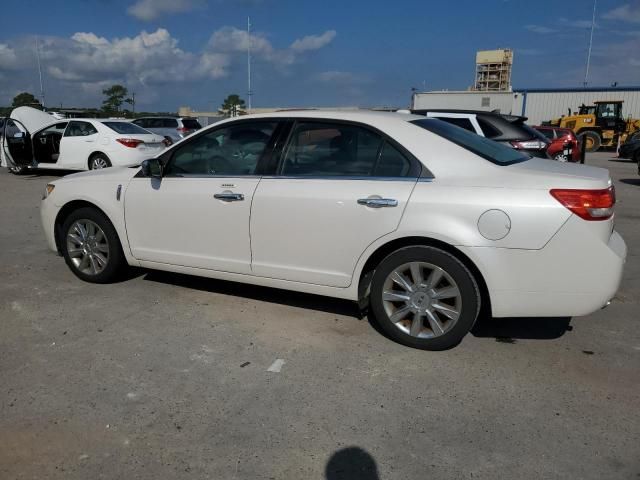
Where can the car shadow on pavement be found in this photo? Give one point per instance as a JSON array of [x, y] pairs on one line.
[[265, 294], [508, 330], [631, 181]]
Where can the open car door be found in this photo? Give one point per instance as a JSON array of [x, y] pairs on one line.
[[16, 144]]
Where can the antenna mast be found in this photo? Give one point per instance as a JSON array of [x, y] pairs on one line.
[[249, 92], [593, 24], [40, 72]]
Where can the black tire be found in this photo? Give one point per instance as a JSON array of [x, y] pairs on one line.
[[637, 159], [99, 161], [463, 278], [116, 262], [593, 137]]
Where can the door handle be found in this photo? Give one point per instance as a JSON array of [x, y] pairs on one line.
[[229, 197], [378, 202]]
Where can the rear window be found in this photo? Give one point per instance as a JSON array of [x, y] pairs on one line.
[[125, 128], [547, 132], [191, 124], [488, 149]]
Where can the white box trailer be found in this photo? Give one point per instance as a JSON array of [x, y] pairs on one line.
[[538, 104]]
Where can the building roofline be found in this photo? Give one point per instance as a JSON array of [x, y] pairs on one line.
[[579, 89]]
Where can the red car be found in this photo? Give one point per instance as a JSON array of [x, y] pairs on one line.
[[565, 146]]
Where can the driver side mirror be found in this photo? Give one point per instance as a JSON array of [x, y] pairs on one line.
[[152, 168]]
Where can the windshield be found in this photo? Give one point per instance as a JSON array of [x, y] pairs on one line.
[[488, 149], [126, 128]]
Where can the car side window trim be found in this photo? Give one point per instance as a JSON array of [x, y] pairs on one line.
[[416, 169]]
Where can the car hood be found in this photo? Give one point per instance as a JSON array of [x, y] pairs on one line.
[[113, 174], [32, 118]]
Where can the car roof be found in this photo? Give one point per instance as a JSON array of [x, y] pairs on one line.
[[484, 113], [363, 116]]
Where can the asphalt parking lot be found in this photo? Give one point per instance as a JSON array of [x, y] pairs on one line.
[[166, 376]]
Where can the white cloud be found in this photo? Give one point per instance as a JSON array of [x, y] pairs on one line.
[[85, 61], [313, 42], [338, 76], [629, 12], [540, 29], [148, 10]]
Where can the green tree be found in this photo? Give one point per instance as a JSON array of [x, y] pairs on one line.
[[116, 95], [26, 99], [233, 105]]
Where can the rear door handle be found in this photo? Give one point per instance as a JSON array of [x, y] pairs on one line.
[[229, 197], [378, 202]]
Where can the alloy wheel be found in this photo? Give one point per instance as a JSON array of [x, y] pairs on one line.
[[422, 299], [88, 247], [99, 162]]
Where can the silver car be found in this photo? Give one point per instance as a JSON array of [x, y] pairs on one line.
[[172, 128]]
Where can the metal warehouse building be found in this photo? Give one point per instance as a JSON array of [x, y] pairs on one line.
[[538, 104]]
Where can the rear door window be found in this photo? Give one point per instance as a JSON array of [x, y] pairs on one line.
[[169, 123], [324, 149], [80, 129]]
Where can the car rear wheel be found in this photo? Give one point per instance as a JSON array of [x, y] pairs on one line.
[[424, 297], [91, 247], [591, 141], [99, 161], [560, 157]]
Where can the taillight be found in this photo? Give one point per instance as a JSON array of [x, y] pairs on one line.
[[587, 204], [529, 145], [182, 129], [129, 142]]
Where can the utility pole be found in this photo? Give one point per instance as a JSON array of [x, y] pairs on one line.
[[40, 73], [133, 102], [249, 92], [593, 24]]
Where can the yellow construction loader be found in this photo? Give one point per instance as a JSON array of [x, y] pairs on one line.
[[600, 125]]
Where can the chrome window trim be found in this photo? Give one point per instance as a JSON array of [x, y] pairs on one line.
[[203, 175], [342, 177]]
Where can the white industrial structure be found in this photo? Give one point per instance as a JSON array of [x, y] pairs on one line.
[[538, 104], [493, 70]]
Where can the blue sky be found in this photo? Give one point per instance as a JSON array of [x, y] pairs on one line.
[[306, 53]]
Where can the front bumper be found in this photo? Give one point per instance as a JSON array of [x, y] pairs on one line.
[[48, 213]]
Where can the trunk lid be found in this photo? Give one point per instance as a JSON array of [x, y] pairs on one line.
[[542, 173]]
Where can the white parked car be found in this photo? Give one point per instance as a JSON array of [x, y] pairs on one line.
[[34, 139], [419, 219]]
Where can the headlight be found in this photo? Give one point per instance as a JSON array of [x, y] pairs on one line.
[[47, 190]]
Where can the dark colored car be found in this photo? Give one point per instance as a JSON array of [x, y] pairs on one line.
[[171, 128], [631, 150], [565, 146], [510, 130]]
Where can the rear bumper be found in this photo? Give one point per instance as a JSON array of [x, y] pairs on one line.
[[575, 274]]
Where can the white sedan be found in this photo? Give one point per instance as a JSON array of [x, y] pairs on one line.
[[420, 220], [34, 139]]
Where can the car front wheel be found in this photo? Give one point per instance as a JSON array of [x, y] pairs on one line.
[[91, 247], [424, 297]]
